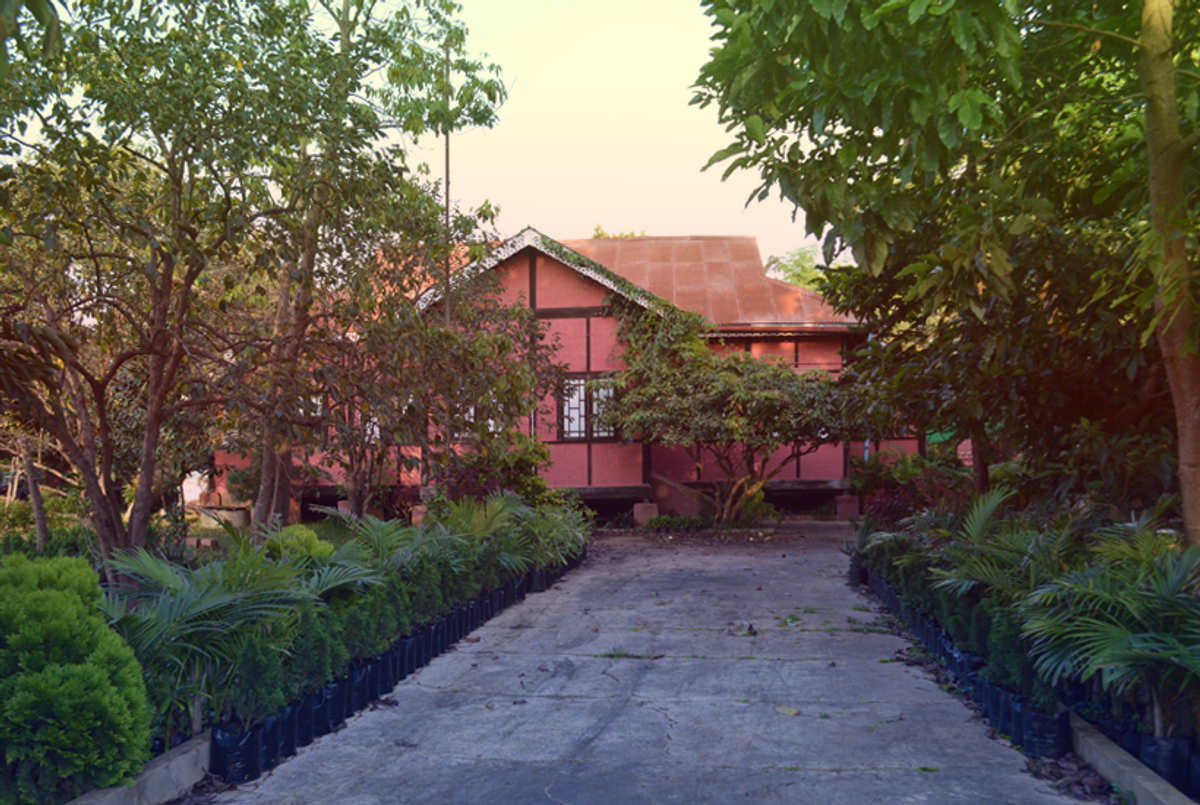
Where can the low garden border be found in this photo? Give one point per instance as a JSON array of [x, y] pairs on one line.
[[1035, 734], [242, 757]]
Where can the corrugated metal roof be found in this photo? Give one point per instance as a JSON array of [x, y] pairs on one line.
[[721, 278]]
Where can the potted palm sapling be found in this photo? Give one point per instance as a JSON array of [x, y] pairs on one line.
[[1133, 619], [257, 692]]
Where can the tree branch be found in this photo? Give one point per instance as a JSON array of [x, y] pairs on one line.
[[1096, 31]]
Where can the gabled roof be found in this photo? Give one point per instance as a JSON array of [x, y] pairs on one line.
[[721, 278], [531, 238]]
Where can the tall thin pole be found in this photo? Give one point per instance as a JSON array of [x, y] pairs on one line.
[[446, 134]]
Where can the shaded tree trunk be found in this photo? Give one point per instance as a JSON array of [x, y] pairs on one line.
[[35, 496], [981, 455], [1167, 156]]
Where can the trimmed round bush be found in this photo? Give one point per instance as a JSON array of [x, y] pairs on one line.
[[73, 712]]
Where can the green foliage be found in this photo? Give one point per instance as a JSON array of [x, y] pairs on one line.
[[73, 712], [257, 686], [513, 467], [1015, 248], [674, 521], [799, 267], [556, 533], [242, 482], [599, 232], [725, 409], [1132, 616], [299, 540], [754, 509], [317, 651]]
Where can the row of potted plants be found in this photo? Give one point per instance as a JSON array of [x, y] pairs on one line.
[[1033, 609], [1037, 730], [243, 750], [280, 626]]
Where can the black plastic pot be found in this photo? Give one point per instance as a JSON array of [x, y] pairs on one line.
[[335, 703], [404, 650], [288, 726], [1193, 786], [857, 575], [456, 626], [992, 704], [304, 719], [374, 672], [1046, 734], [417, 647], [387, 671], [1166, 757], [359, 687], [270, 743], [348, 696], [537, 581], [1004, 715], [971, 662], [236, 753], [321, 713]]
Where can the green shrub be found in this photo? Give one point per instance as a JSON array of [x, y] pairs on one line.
[[258, 682], [73, 712], [298, 540], [755, 508], [309, 664]]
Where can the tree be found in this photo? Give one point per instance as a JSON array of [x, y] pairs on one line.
[[799, 267], [187, 152], [151, 168], [732, 413], [419, 48], [1029, 369], [47, 17], [600, 233], [865, 115]]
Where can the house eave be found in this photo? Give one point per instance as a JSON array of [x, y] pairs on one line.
[[530, 238]]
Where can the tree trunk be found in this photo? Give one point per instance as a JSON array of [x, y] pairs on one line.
[[264, 502], [981, 454], [281, 509], [35, 496], [1167, 157]]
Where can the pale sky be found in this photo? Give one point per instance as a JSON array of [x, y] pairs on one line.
[[598, 129]]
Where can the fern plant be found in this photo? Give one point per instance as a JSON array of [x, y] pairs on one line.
[[1132, 617]]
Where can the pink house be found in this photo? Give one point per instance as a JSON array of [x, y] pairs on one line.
[[723, 279], [568, 283]]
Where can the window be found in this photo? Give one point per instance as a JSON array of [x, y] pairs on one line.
[[578, 410], [465, 431]]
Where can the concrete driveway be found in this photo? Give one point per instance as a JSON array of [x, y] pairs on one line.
[[670, 674]]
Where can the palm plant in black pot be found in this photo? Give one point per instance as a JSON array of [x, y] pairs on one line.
[[1133, 618]]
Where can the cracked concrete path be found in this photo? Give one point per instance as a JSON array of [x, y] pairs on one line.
[[664, 674]]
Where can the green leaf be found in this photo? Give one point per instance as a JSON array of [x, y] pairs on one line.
[[917, 10], [920, 107], [949, 131], [724, 154], [754, 127], [970, 115], [1021, 224], [824, 8], [962, 25]]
